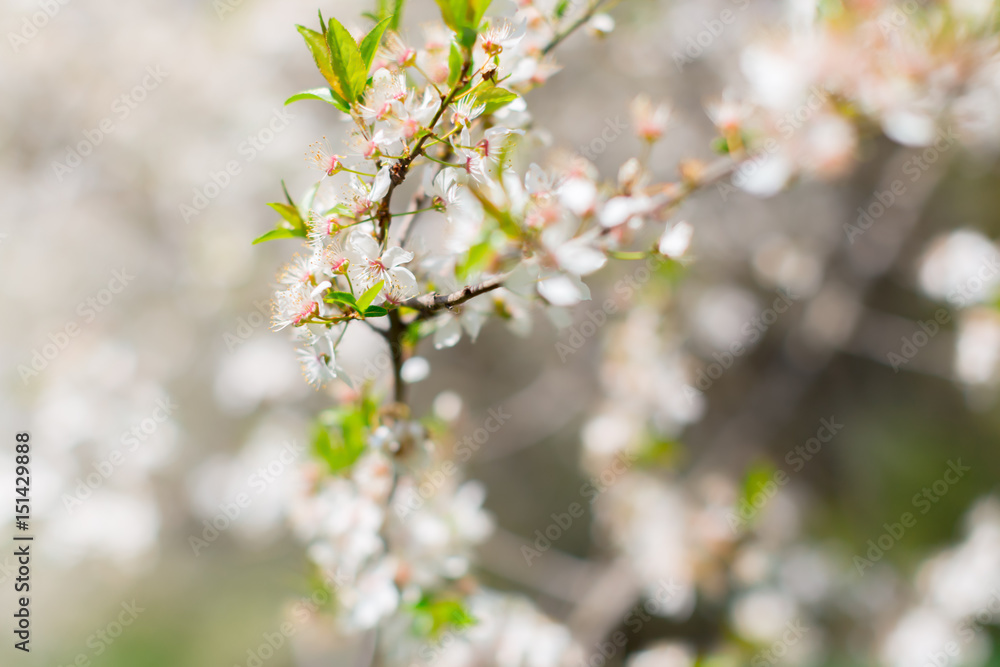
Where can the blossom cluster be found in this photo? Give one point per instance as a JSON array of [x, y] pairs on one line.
[[444, 119]]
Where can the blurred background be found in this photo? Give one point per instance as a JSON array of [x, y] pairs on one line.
[[140, 143]]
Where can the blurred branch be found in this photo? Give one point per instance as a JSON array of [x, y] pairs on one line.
[[779, 389], [613, 592], [554, 573]]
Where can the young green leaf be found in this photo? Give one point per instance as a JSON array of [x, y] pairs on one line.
[[369, 45], [320, 52], [495, 98], [463, 16], [289, 213], [279, 233], [467, 37], [396, 14], [324, 94], [345, 59], [447, 8], [307, 200], [366, 299], [477, 8], [342, 297], [376, 311], [288, 197], [454, 65]]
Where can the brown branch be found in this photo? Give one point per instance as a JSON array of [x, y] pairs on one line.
[[429, 304], [559, 37], [394, 337], [399, 170]]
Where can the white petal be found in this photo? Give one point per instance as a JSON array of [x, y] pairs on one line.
[[616, 211], [395, 256], [579, 258], [415, 369], [578, 195], [364, 245], [402, 284], [675, 241], [381, 184], [909, 128], [448, 334], [764, 178], [561, 291]]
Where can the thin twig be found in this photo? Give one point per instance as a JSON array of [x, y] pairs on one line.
[[586, 16], [432, 303]]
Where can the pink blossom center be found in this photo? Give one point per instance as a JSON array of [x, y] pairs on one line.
[[307, 309]]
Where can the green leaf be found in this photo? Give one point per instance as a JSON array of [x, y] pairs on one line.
[[320, 52], [478, 9], [477, 258], [659, 452], [495, 98], [464, 17], [369, 45], [435, 616], [369, 295], [376, 311], [467, 37], [454, 65], [323, 94], [307, 201], [758, 484], [448, 14], [290, 214], [279, 233], [341, 452], [345, 59], [342, 297], [288, 197], [720, 145], [396, 13]]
